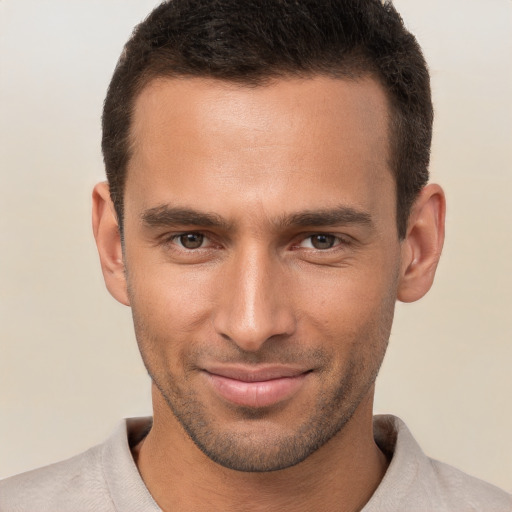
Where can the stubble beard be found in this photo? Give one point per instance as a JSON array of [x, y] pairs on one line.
[[332, 411], [269, 448]]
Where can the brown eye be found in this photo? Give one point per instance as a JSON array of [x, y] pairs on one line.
[[323, 241], [191, 240]]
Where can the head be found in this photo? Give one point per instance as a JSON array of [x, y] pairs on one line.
[[260, 170], [256, 41]]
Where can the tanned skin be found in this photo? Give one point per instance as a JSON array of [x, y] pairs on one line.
[[262, 263]]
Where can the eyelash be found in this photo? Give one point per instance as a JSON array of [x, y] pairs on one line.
[[337, 241], [172, 240], [340, 242]]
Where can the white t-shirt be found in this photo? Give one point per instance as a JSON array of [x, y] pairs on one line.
[[105, 479]]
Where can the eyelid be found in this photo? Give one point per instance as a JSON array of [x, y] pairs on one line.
[[177, 237], [341, 240], [209, 240], [171, 239]]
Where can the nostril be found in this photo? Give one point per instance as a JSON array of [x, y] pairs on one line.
[[251, 338], [255, 308]]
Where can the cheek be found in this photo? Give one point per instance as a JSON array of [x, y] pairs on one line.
[[350, 293], [169, 294], [351, 311], [171, 311]]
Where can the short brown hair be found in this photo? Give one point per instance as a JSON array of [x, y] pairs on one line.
[[254, 41]]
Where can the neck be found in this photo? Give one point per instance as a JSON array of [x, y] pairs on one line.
[[341, 475]]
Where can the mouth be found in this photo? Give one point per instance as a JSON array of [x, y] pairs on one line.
[[256, 387]]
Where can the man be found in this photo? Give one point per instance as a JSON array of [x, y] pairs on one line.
[[267, 203]]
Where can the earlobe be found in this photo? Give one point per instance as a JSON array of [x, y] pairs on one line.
[[422, 246], [108, 241]]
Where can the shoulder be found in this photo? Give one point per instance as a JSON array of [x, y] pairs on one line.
[[102, 479], [456, 487], [73, 484], [416, 482]]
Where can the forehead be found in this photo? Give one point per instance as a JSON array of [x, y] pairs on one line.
[[293, 142]]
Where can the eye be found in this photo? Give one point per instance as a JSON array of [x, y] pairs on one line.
[[320, 241], [189, 240]]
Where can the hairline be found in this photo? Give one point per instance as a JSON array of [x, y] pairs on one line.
[[353, 74]]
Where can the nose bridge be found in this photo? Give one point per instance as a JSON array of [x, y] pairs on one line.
[[253, 305]]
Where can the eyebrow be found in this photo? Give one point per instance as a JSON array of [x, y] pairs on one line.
[[340, 216], [165, 215]]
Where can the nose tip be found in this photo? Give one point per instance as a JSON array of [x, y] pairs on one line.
[[250, 334], [255, 307]]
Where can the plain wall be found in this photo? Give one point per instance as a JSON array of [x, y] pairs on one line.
[[69, 366]]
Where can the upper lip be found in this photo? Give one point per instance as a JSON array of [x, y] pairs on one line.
[[255, 373]]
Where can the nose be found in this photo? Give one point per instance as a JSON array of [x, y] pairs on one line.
[[255, 304]]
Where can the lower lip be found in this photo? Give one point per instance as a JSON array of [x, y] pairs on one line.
[[256, 394]]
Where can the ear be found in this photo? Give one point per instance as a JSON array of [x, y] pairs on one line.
[[108, 241], [423, 243]]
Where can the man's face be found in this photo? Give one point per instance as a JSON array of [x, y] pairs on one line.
[[262, 259]]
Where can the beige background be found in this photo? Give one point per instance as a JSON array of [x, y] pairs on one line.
[[69, 367]]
